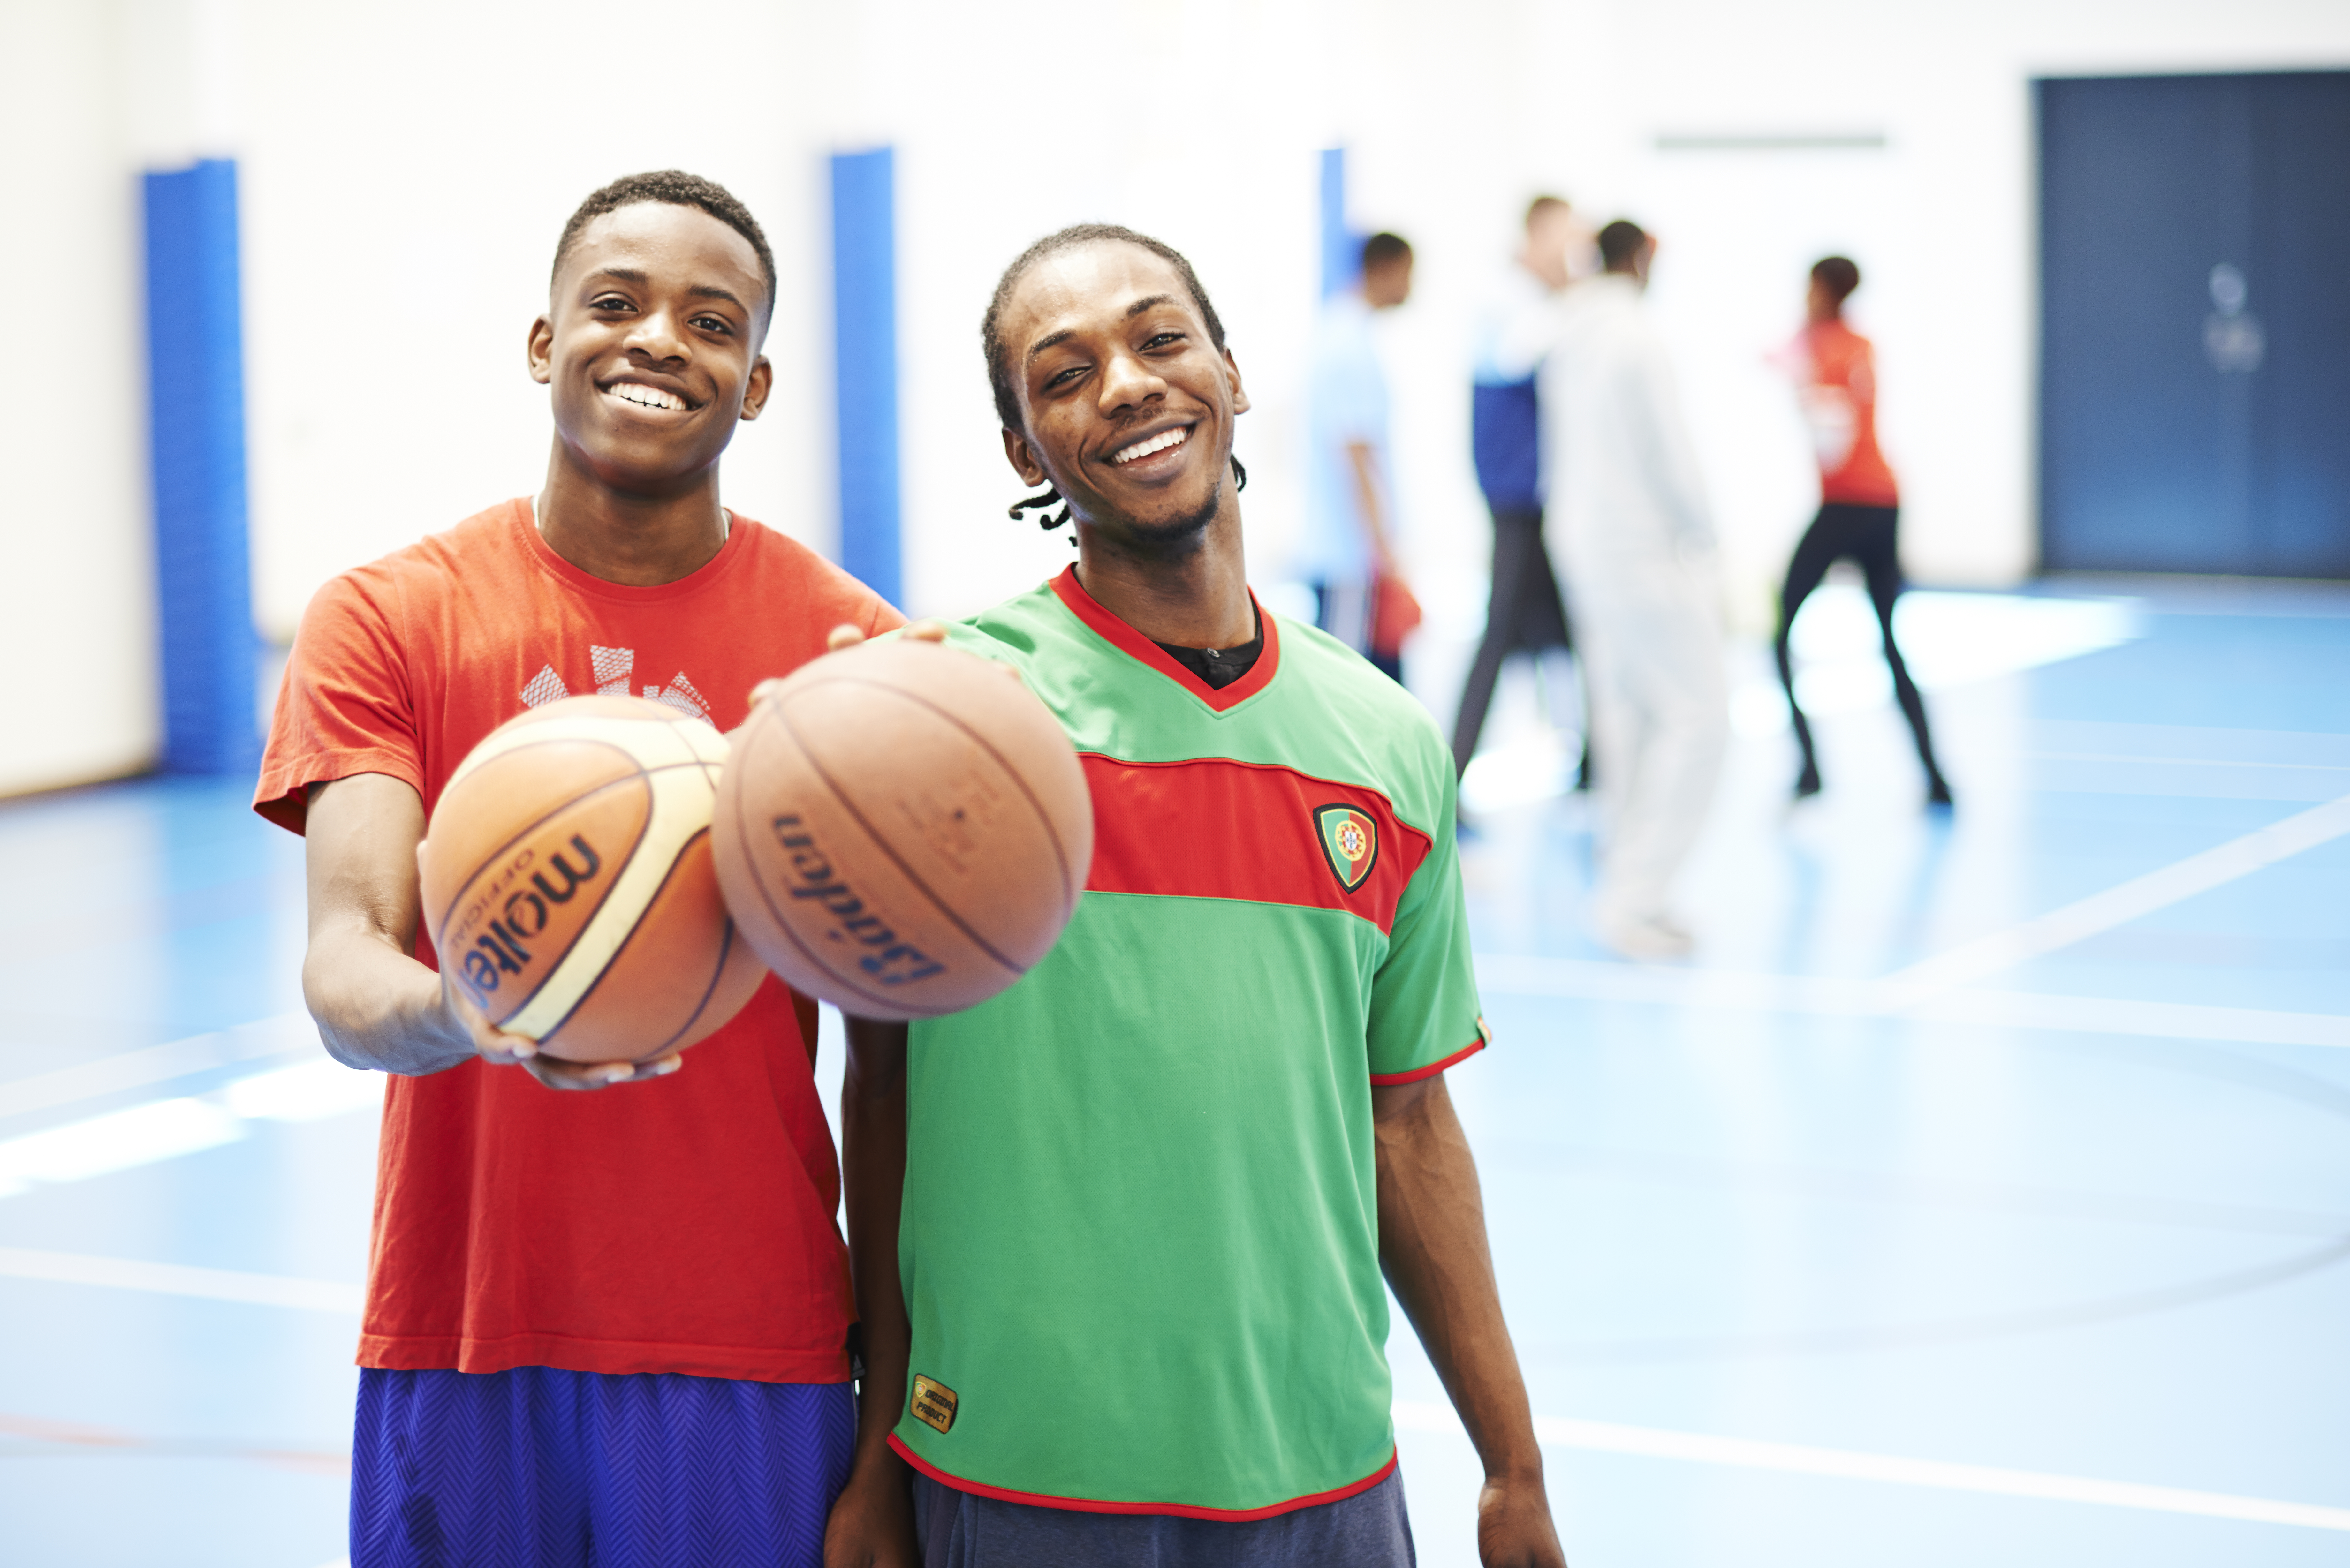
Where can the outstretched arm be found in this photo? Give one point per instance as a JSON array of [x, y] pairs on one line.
[[1362, 462], [872, 1526], [377, 1007], [1432, 1246]]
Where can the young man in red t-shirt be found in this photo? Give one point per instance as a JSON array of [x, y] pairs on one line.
[[1836, 374], [599, 1327]]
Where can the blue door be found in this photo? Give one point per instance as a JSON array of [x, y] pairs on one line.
[[2195, 323]]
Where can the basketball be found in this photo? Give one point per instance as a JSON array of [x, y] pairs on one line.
[[902, 829], [568, 883]]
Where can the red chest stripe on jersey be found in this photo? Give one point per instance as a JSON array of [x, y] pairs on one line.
[[1220, 829]]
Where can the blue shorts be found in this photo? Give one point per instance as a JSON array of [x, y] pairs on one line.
[[962, 1529], [541, 1469]]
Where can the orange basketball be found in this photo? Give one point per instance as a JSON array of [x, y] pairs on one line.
[[567, 883], [902, 829]]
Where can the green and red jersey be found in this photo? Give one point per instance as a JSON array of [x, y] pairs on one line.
[[1140, 1230]]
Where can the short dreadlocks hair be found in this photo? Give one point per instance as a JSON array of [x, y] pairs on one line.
[[991, 325], [672, 188]]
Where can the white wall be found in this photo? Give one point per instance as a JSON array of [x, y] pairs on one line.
[[77, 599], [406, 170]]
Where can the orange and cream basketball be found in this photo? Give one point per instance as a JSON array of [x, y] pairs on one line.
[[903, 829], [568, 883]]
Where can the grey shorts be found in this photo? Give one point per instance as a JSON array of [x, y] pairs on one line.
[[959, 1530]]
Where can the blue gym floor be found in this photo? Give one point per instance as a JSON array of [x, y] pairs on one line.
[[1980, 1194]]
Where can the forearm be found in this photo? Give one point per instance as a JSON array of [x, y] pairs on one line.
[[873, 1161], [1366, 501], [1432, 1245], [378, 1009]]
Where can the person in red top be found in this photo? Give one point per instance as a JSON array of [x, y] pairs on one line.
[[1859, 506], [599, 1327]]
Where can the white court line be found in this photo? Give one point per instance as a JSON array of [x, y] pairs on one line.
[[2160, 1020], [1660, 1443], [2114, 906], [277, 1037], [180, 1280], [1585, 980]]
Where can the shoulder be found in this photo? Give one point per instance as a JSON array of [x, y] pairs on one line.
[[780, 565], [1019, 628], [1338, 687], [414, 575]]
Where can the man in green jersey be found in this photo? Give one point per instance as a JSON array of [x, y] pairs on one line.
[[1148, 1192]]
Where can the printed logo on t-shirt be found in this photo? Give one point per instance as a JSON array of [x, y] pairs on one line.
[[1351, 840], [934, 1403], [615, 673]]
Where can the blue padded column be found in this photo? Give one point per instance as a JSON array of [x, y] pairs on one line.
[[865, 339], [195, 350], [1342, 248]]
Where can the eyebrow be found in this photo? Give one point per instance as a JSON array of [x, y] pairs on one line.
[[1054, 339], [699, 291]]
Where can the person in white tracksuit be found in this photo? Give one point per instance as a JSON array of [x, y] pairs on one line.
[[1629, 528]]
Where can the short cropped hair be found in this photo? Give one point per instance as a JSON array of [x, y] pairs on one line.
[[1619, 242], [1541, 205], [1839, 275], [991, 325], [673, 188], [1384, 249]]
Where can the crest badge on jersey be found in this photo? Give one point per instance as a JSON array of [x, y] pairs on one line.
[[1351, 841]]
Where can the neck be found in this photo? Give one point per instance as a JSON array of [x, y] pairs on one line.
[[1195, 598], [637, 539]]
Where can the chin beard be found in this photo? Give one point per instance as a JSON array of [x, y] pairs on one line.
[[1174, 539]]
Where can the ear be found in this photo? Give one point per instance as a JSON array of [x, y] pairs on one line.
[[1240, 397], [754, 395], [1022, 456], [540, 350]]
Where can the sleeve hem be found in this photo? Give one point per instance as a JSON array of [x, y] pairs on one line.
[[280, 795], [1413, 1074]]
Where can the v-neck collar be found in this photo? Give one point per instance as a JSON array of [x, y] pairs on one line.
[[1142, 650]]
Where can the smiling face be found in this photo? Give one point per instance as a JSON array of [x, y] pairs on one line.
[[1126, 402], [652, 344]]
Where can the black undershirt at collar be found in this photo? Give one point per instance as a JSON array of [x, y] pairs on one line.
[[1220, 666]]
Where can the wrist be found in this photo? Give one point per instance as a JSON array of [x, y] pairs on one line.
[[1519, 1475]]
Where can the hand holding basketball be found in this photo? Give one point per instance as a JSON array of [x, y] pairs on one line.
[[499, 1049]]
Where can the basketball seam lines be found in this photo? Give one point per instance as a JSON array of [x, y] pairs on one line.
[[620, 877], [883, 844], [1043, 819], [667, 877], [528, 829], [725, 952], [768, 898]]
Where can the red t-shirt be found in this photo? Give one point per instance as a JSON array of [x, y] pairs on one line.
[[682, 1225], [1838, 374]]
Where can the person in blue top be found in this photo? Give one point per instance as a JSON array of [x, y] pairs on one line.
[[1525, 613], [1349, 539]]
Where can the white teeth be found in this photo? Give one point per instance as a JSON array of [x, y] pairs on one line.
[[646, 397], [1158, 442]]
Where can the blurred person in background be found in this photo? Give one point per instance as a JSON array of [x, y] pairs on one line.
[[1627, 520], [1836, 376], [1523, 611], [1349, 551]]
